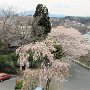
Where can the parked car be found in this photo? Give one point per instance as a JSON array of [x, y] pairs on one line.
[[4, 76]]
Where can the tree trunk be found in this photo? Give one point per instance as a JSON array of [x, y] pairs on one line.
[[48, 83]]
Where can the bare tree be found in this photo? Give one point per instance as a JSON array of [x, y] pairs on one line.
[[14, 28], [7, 21], [23, 29]]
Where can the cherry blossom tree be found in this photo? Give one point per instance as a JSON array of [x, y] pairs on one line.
[[51, 68]]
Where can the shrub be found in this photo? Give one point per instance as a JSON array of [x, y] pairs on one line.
[[19, 84], [1, 44], [14, 58], [8, 63]]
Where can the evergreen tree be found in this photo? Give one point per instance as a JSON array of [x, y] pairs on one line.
[[42, 13]]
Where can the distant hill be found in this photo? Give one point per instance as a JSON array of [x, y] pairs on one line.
[[56, 15], [28, 13], [31, 12]]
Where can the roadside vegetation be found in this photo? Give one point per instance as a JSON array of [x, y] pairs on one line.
[[8, 61], [85, 59], [19, 84]]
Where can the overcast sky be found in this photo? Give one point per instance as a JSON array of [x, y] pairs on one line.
[[65, 7]]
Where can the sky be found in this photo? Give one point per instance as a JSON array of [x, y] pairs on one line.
[[65, 7]]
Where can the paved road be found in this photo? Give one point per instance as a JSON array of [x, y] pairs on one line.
[[8, 84], [79, 79]]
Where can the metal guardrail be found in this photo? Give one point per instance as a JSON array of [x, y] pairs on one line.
[[81, 64]]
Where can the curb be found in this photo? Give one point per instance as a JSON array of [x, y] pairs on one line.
[[81, 64]]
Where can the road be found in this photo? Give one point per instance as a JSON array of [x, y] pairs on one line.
[[79, 79], [8, 84]]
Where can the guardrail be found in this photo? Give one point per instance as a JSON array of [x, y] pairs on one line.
[[81, 64]]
